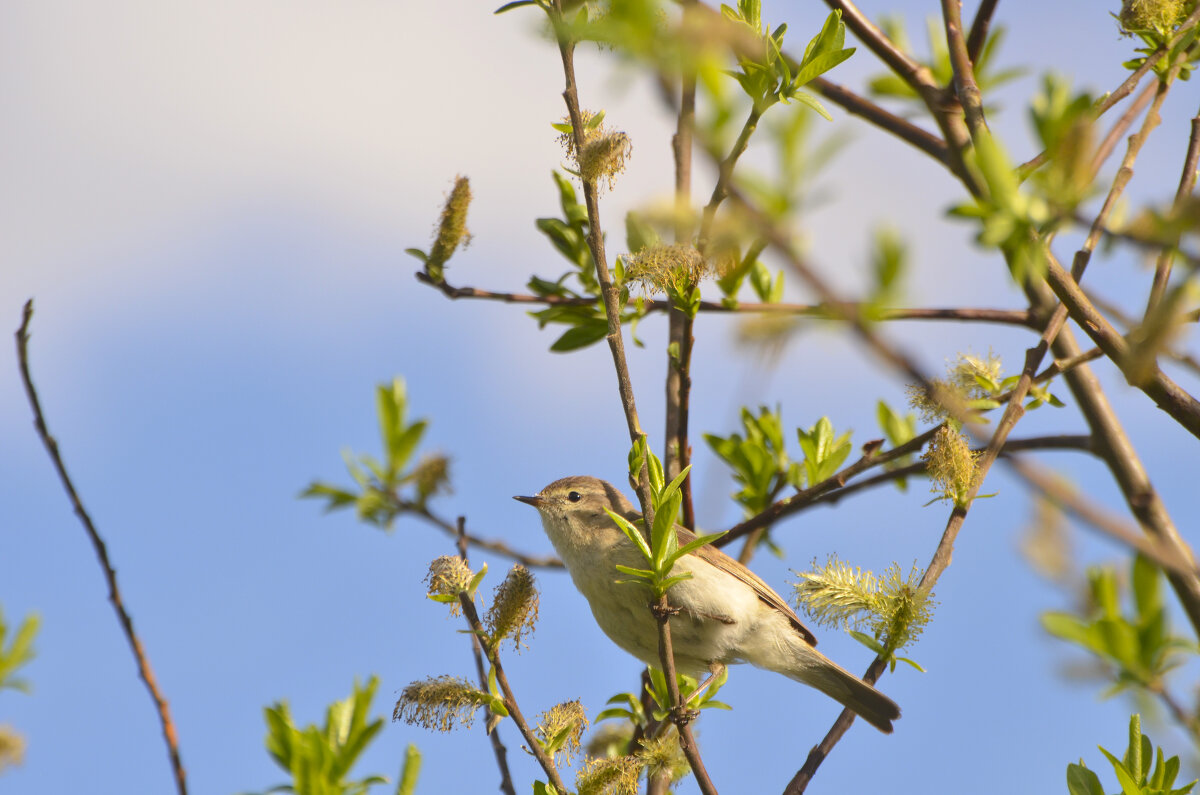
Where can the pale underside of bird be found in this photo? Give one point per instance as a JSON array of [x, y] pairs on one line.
[[727, 614]]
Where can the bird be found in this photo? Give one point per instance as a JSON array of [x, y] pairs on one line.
[[726, 613]]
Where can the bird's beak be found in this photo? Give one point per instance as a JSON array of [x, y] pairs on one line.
[[536, 502]]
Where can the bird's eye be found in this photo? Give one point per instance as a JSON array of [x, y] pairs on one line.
[[574, 496]]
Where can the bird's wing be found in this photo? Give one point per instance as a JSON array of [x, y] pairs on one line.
[[716, 557]]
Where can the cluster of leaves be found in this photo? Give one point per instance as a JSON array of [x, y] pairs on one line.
[[1139, 646], [770, 77], [628, 706], [1065, 126], [586, 322], [893, 607], [389, 488], [15, 652], [319, 758], [1142, 770], [1156, 23], [662, 549], [760, 461], [1009, 219]]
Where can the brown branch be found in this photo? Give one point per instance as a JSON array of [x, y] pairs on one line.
[[801, 499], [624, 386], [170, 736], [1187, 181], [1118, 316], [1159, 387], [1116, 450], [1122, 124], [965, 85], [510, 701], [491, 544], [1012, 317], [1125, 89], [902, 128], [498, 749], [677, 452], [979, 29], [943, 554], [913, 73]]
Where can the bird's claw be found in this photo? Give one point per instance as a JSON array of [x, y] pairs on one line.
[[664, 611], [681, 715]]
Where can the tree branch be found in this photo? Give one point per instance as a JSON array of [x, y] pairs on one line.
[[625, 387], [979, 29], [498, 749], [1012, 317], [492, 545], [162, 708], [1187, 181], [510, 700]]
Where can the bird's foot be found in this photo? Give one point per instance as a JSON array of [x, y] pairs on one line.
[[664, 611], [682, 716]]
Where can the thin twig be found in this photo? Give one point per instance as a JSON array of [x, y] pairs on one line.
[[1158, 386], [498, 749], [510, 700], [566, 47], [677, 452], [1187, 181], [1012, 317], [943, 554], [491, 544], [885, 120], [170, 736], [1125, 89], [913, 73], [965, 84], [1114, 134], [979, 29]]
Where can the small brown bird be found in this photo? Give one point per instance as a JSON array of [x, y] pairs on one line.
[[727, 613]]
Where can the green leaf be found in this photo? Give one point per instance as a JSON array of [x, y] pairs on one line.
[[644, 574], [403, 447], [510, 7], [581, 336], [1082, 781], [418, 253], [867, 641], [1146, 586], [473, 585], [697, 543], [820, 65], [673, 487], [632, 533], [1128, 785], [664, 540]]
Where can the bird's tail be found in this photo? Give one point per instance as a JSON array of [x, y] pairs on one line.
[[816, 670]]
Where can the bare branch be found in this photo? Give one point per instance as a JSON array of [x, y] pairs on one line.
[[979, 29], [491, 544], [162, 708]]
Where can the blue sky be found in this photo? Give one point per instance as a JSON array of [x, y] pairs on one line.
[[209, 203]]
